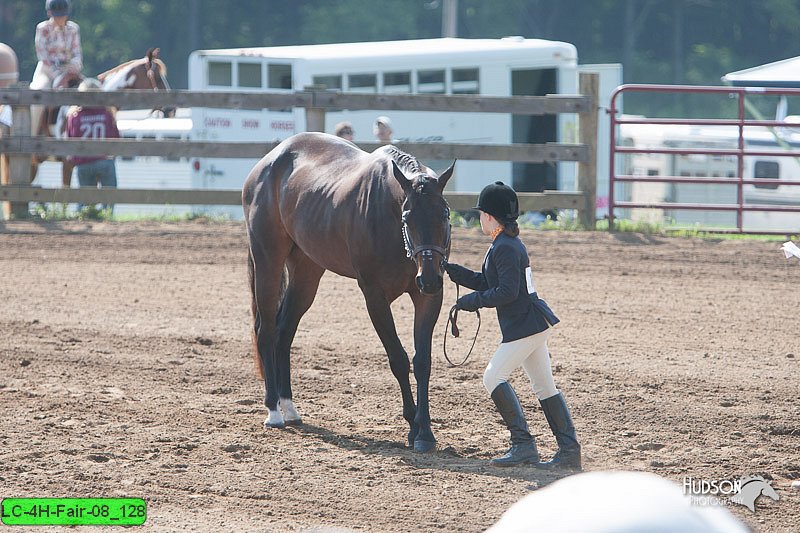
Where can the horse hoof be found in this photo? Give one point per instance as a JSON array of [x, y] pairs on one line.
[[424, 446], [293, 421], [274, 420]]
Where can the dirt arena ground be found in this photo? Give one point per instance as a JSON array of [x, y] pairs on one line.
[[125, 370]]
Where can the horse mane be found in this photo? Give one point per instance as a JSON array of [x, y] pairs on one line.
[[421, 181], [103, 75]]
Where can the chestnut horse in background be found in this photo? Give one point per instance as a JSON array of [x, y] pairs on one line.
[[147, 73], [317, 202]]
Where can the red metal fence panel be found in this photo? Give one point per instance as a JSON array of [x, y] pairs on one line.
[[739, 152]]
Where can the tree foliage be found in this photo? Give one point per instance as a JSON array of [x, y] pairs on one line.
[[658, 41]]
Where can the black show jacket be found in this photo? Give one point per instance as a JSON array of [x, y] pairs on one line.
[[503, 283]]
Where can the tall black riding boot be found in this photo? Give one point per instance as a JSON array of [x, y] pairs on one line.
[[523, 447], [568, 455]]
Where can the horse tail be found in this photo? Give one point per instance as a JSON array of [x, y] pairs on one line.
[[258, 368], [248, 196]]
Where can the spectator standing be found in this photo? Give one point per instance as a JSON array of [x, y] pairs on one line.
[[344, 130], [382, 129], [93, 123]]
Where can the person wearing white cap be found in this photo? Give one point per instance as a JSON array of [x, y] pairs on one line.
[[382, 129]]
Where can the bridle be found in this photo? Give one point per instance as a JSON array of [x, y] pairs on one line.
[[426, 252]]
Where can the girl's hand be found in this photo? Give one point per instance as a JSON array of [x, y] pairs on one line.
[[467, 303]]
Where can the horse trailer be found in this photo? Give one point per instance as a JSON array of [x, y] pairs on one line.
[[489, 67]]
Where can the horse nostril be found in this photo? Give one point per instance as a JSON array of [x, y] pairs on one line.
[[420, 285]]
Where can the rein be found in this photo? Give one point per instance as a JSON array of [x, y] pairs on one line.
[[426, 251], [452, 317]]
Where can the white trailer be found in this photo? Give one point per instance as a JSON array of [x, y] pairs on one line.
[[493, 67]]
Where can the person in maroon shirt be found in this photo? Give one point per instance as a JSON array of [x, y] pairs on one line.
[[93, 123]]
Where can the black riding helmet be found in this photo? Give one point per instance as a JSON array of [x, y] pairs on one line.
[[500, 201]]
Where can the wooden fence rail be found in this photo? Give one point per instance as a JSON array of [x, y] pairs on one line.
[[19, 145]]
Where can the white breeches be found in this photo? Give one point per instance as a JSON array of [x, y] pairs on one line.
[[42, 78], [531, 354]]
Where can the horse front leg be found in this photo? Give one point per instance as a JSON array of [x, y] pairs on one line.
[[380, 313], [426, 313]]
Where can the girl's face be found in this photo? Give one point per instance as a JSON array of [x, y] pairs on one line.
[[488, 223]]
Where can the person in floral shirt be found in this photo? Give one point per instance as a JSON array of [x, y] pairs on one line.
[[58, 45]]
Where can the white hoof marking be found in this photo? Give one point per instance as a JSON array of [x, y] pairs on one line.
[[274, 420], [290, 414]]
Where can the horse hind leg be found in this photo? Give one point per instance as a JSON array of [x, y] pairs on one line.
[[303, 281], [267, 270]]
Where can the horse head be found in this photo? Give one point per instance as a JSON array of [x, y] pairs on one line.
[[148, 73], [426, 225], [156, 74]]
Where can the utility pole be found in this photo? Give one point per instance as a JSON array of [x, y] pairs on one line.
[[194, 25], [449, 18]]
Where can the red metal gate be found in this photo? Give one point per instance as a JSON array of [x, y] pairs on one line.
[[740, 152]]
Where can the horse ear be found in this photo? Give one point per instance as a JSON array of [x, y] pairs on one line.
[[401, 178], [445, 176], [149, 55]]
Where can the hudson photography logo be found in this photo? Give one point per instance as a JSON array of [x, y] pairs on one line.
[[724, 492]]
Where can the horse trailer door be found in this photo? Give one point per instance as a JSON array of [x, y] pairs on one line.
[[534, 129]]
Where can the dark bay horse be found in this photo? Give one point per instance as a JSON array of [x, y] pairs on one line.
[[146, 73], [317, 202]]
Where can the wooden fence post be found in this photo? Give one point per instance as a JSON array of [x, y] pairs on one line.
[[19, 165], [315, 116], [587, 128], [5, 131]]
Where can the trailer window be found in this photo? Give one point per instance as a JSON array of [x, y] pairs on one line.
[[250, 75], [362, 83], [769, 170], [397, 82], [465, 81], [330, 82], [430, 81], [219, 73], [280, 76]]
